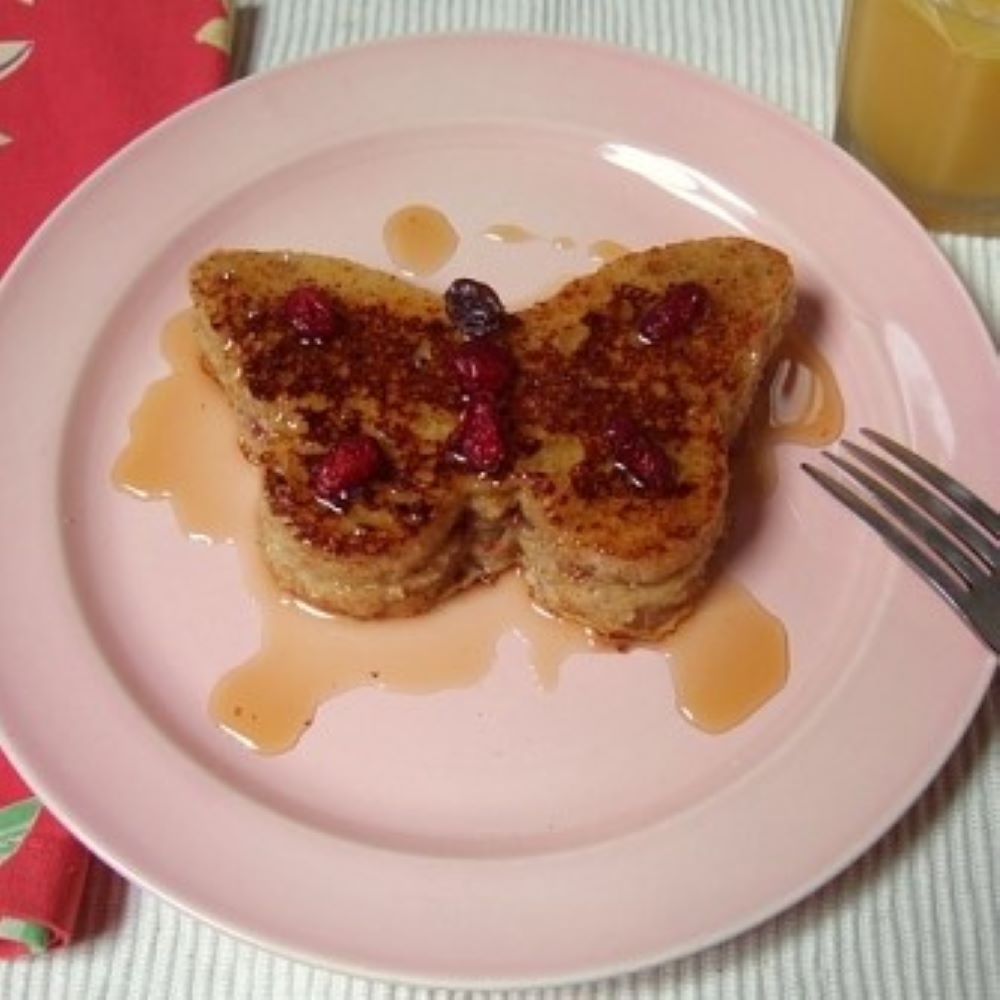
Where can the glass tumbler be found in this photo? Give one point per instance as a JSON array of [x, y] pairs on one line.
[[919, 105]]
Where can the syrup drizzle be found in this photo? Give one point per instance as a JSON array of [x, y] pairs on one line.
[[805, 404], [726, 660], [802, 405], [420, 239], [159, 461], [507, 232], [305, 657]]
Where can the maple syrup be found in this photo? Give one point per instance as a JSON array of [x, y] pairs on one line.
[[605, 251], [800, 404], [306, 656], [507, 232], [159, 461], [804, 401], [420, 239], [726, 660]]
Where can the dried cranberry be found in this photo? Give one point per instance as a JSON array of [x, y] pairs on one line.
[[311, 313], [483, 368], [621, 431], [474, 308], [255, 318], [478, 440], [676, 312], [640, 457], [351, 463]]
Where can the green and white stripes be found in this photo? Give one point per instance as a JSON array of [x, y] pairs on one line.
[[16, 821]]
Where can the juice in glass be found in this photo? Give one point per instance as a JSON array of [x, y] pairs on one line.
[[919, 104]]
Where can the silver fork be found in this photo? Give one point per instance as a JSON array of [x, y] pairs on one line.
[[951, 537]]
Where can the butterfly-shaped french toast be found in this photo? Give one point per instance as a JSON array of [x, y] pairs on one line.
[[413, 443]]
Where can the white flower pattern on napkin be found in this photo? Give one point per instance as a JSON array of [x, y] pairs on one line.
[[218, 31], [13, 55]]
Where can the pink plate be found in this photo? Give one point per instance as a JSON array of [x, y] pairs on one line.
[[502, 833]]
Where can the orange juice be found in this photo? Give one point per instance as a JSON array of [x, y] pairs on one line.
[[919, 104]]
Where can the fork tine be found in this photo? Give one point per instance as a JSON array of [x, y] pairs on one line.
[[894, 536], [963, 498], [930, 503], [919, 524]]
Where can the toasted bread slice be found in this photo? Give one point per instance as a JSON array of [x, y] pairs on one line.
[[621, 554], [626, 561], [411, 537]]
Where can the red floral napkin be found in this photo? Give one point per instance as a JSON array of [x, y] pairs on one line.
[[78, 79]]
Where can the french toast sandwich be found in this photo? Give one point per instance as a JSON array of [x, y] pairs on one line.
[[618, 382], [365, 357], [412, 443]]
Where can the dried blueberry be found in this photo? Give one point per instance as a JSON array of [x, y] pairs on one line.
[[474, 308]]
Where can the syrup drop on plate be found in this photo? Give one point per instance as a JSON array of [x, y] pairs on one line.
[[419, 239], [505, 232], [728, 659], [158, 461]]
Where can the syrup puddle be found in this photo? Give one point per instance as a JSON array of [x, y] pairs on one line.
[[420, 239], [726, 660], [305, 656], [804, 403], [160, 462]]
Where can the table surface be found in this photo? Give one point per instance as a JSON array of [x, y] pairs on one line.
[[918, 916]]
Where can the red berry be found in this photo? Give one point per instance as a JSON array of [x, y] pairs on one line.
[[621, 431], [483, 367], [676, 312], [640, 457], [351, 463], [478, 440], [474, 307], [311, 313]]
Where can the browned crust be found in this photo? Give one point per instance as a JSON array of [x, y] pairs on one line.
[[594, 548]]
